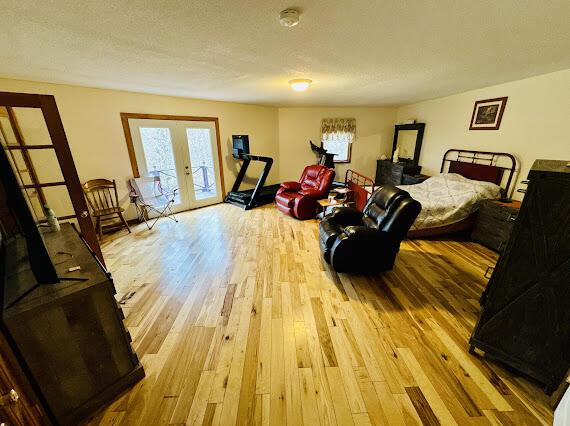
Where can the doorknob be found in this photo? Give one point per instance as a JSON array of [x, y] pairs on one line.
[[9, 398]]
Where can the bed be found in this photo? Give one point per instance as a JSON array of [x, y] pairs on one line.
[[451, 199]]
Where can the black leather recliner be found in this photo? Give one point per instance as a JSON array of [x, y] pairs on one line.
[[368, 241]]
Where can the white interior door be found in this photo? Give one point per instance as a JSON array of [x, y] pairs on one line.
[[184, 155]]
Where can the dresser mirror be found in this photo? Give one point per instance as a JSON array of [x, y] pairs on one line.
[[408, 140]]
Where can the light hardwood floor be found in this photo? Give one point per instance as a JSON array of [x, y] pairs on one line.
[[236, 319]]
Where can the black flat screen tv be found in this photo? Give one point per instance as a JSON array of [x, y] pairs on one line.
[[24, 259]]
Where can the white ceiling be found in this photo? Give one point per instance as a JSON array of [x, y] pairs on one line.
[[358, 52]]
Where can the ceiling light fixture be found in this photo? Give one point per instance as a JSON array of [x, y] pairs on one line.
[[300, 84], [289, 18]]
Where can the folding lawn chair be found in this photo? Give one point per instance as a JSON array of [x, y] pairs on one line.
[[149, 196]]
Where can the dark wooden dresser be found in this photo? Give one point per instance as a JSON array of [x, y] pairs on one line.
[[70, 336], [494, 224], [525, 317], [391, 173]]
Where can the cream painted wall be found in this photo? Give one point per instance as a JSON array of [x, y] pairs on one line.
[[93, 127], [534, 125], [374, 133]]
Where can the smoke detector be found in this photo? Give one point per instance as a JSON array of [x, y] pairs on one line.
[[289, 18]]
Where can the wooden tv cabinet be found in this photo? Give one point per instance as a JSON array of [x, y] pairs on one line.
[[69, 337]]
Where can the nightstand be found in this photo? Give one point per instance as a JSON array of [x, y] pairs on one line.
[[494, 224]]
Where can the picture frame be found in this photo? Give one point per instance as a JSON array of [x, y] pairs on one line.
[[488, 113]]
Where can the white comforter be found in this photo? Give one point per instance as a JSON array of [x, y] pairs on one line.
[[449, 198]]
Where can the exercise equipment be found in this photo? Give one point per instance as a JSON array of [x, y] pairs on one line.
[[260, 194], [325, 158]]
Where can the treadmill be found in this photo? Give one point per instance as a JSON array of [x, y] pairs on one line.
[[260, 194]]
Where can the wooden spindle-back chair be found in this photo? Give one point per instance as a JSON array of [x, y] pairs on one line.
[[102, 197]]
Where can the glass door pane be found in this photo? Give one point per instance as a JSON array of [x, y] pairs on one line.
[[32, 134], [31, 126], [202, 160], [183, 154], [159, 157]]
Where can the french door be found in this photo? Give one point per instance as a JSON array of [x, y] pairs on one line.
[[183, 154], [32, 134]]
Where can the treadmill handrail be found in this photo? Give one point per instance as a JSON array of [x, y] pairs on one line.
[[255, 158]]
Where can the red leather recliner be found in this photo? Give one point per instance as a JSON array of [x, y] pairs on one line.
[[299, 199]]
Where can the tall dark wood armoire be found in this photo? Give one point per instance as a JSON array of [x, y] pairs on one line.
[[525, 320]]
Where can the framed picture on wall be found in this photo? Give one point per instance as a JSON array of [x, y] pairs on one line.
[[487, 114]]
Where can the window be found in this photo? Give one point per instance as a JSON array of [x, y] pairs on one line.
[[337, 135]]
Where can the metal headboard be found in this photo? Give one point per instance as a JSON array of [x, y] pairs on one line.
[[486, 158]]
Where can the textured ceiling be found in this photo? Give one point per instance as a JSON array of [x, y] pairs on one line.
[[358, 52]]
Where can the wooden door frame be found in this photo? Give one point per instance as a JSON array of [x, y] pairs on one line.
[[125, 116], [52, 118]]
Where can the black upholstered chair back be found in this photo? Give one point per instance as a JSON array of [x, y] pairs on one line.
[[381, 205], [398, 222]]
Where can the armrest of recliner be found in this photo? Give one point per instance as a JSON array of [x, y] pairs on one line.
[[333, 223], [291, 186], [345, 216], [305, 206], [365, 233], [312, 193], [363, 249]]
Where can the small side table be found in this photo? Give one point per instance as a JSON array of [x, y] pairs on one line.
[[325, 204], [495, 222]]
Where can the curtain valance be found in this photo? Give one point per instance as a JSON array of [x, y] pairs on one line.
[[338, 125]]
